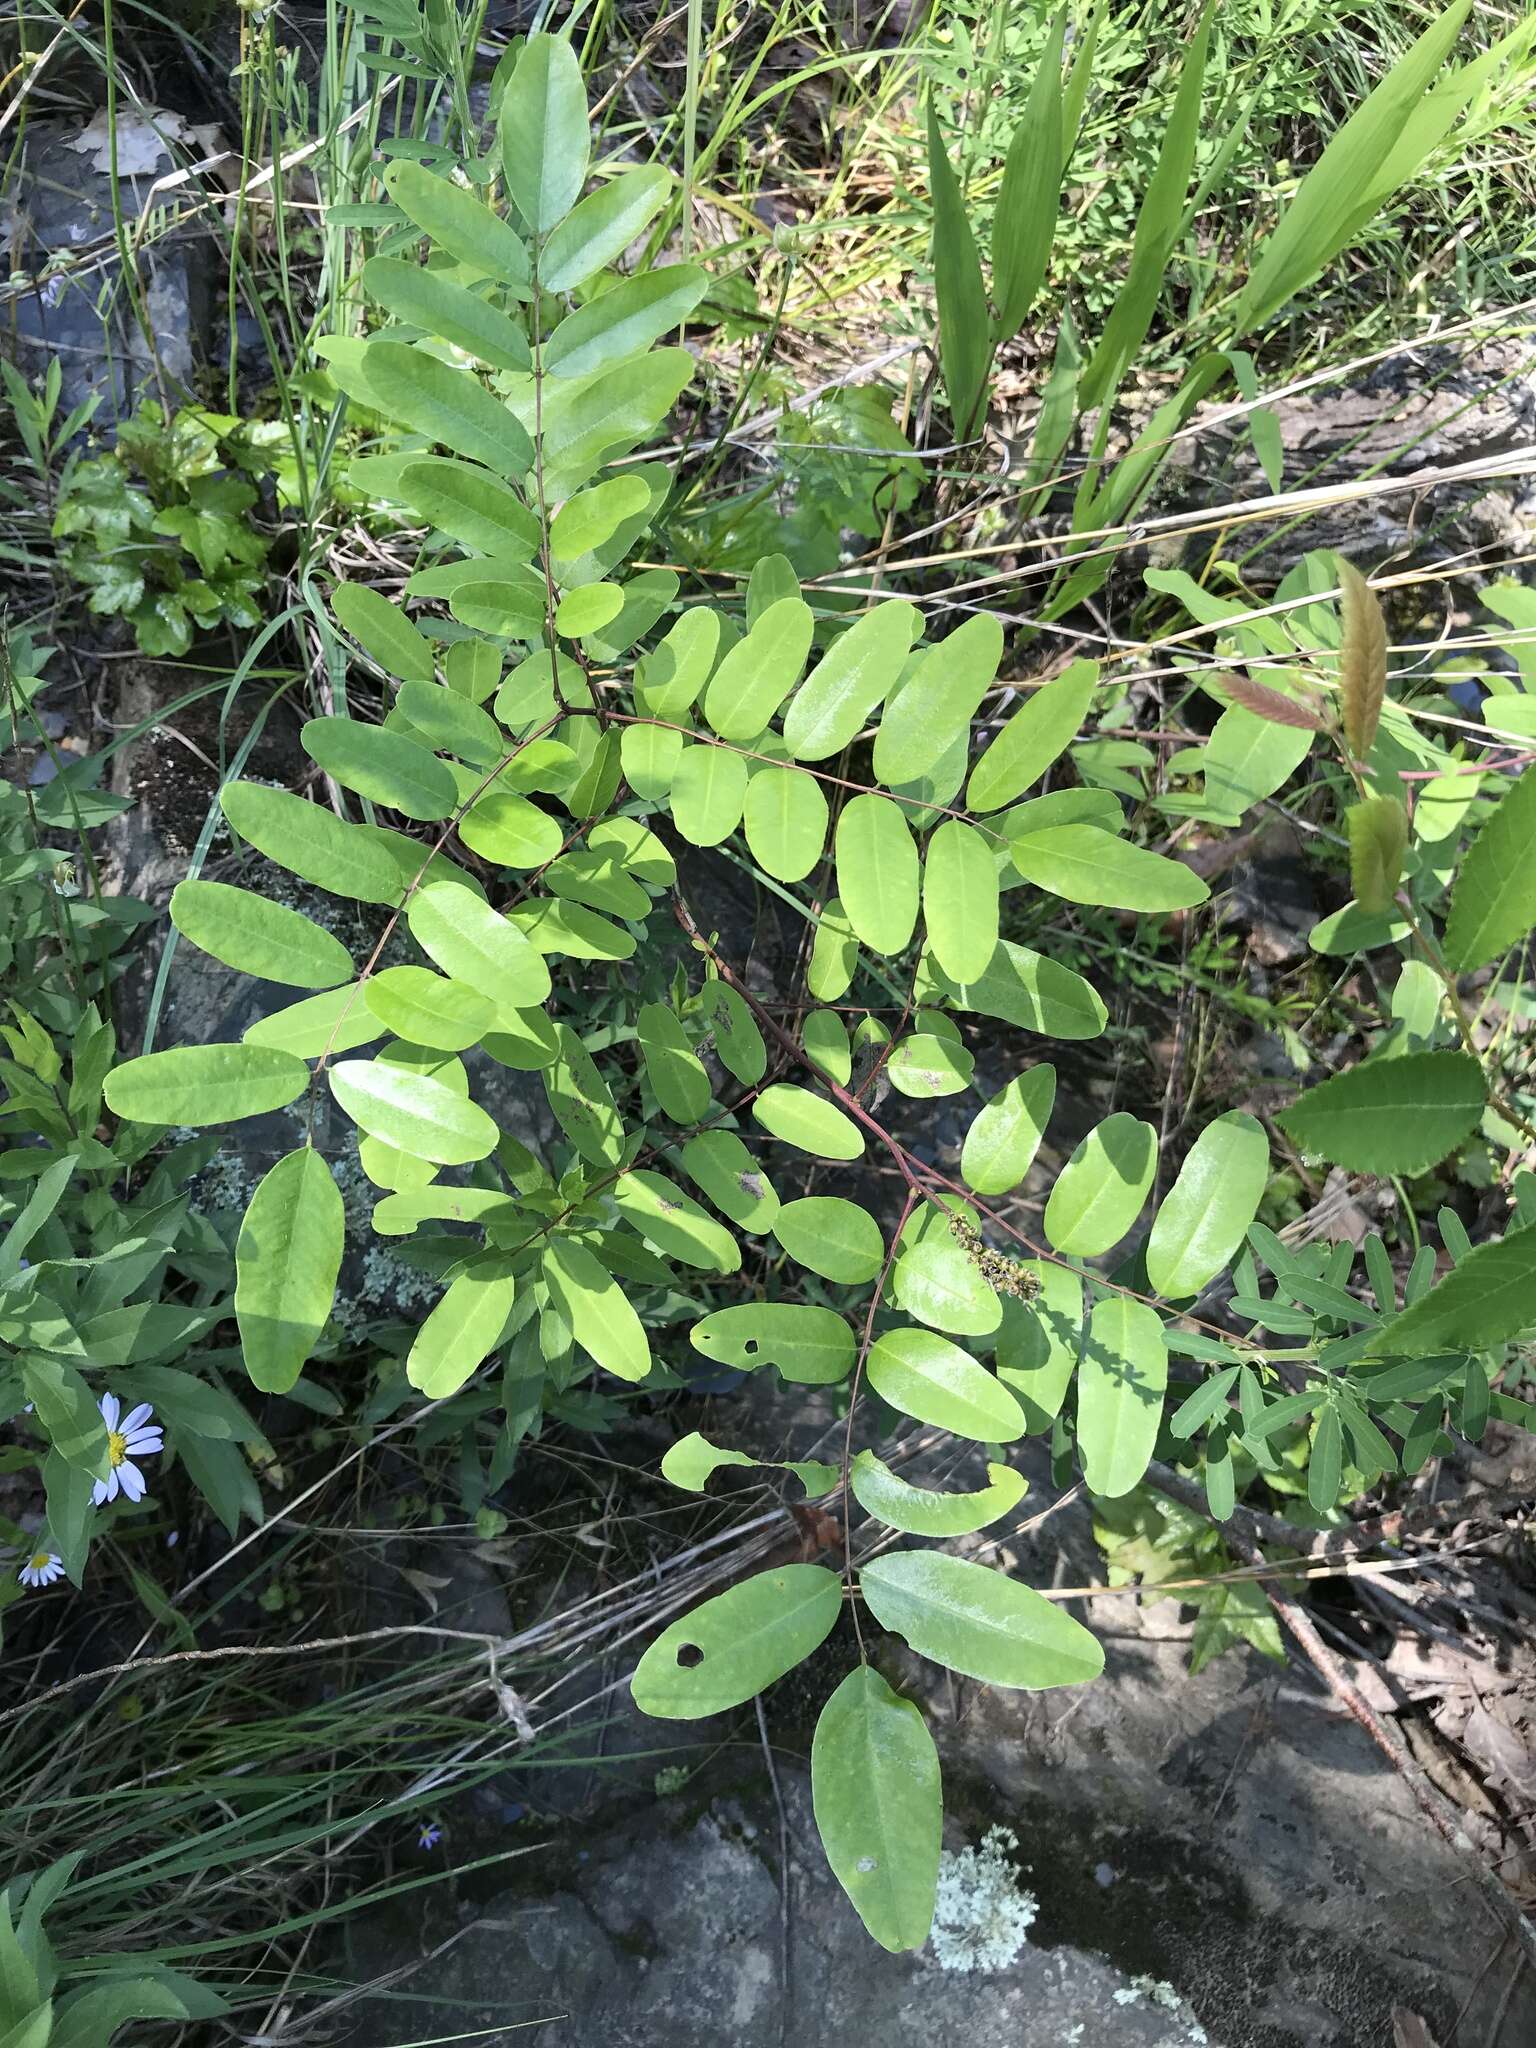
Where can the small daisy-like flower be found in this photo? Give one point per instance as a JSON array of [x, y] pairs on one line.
[[128, 1437], [430, 1836], [42, 1568]]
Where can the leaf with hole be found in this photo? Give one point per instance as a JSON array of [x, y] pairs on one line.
[[734, 1645], [807, 1345]]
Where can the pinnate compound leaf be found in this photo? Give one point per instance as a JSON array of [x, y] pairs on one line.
[[808, 1345], [583, 1102], [731, 1647], [977, 1621], [920, 1512], [312, 843], [1001, 1144], [258, 937], [1487, 1297], [424, 1008], [336, 1022], [472, 507], [932, 1380], [1085, 865], [738, 1041], [598, 1310], [927, 1066], [960, 900], [287, 1258], [808, 1122], [855, 674], [1378, 839], [876, 1794], [1362, 659], [544, 134], [416, 1113], [205, 1084], [877, 872], [1205, 1215], [829, 1236], [1042, 728], [461, 1332], [1397, 1116], [1099, 1192], [441, 306], [1493, 904], [1120, 1387]]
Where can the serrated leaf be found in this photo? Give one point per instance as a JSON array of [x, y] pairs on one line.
[[287, 1258], [259, 937], [927, 1377], [384, 633], [477, 946], [1397, 1116], [848, 682], [785, 816], [1001, 1144], [312, 843], [807, 1345], [543, 131], [1042, 728], [598, 1310], [1086, 865], [920, 1512], [1485, 1299], [978, 1621], [733, 1646], [877, 872], [1121, 1382], [205, 1084], [808, 1122], [878, 1804], [829, 1236], [937, 701], [1206, 1213], [960, 900], [938, 1282], [1099, 1192], [416, 1113], [461, 1332]]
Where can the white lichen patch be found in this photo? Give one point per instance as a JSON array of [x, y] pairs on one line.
[[981, 1917], [1155, 1991]]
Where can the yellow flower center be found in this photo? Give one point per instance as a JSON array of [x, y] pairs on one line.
[[39, 1561], [117, 1447]]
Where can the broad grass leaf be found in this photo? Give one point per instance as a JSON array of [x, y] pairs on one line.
[[448, 405], [618, 323], [937, 701], [1205, 1215], [852, 678], [1397, 1116], [934, 1381], [719, 1164], [461, 1332], [441, 306], [384, 766], [829, 1236], [1085, 865], [598, 1310], [1099, 1192], [918, 1511], [1030, 990], [1378, 839], [1024, 225], [977, 1621], [807, 1345], [965, 346], [477, 946], [785, 818], [808, 1122], [287, 1258], [205, 1084], [383, 632], [461, 225], [675, 1223], [674, 1070], [1362, 659], [426, 1008], [1042, 728], [1121, 1382], [878, 1802], [1041, 1341], [601, 227], [731, 1647], [543, 131], [258, 937], [877, 872], [760, 670], [960, 899], [1001, 1144], [1493, 902], [709, 790], [415, 1113], [470, 506], [311, 842]]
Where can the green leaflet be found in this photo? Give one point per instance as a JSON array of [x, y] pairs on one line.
[[597, 1309], [543, 132], [919, 1512], [709, 788], [384, 633], [673, 1068], [447, 405], [205, 1084], [1042, 728], [927, 1066], [938, 1282], [675, 1223], [593, 516], [937, 701], [440, 306], [1493, 905], [1205, 1215], [785, 817], [582, 1102], [879, 1807], [68, 1411], [934, 1381], [1039, 1343], [877, 872], [1120, 1387], [808, 1122], [258, 937], [462, 1331], [834, 954], [670, 677], [449, 722], [627, 317], [829, 1236], [338, 1021], [1086, 865], [384, 766], [738, 1042], [510, 831], [728, 1649], [1001, 1144], [978, 1622], [471, 507], [477, 946], [602, 226], [1099, 1192], [825, 1038], [807, 1345], [1397, 1116], [853, 677], [1032, 991], [287, 1258], [960, 900], [693, 1460], [312, 843], [720, 1165], [416, 1113], [459, 223], [425, 1008], [591, 420], [588, 609]]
